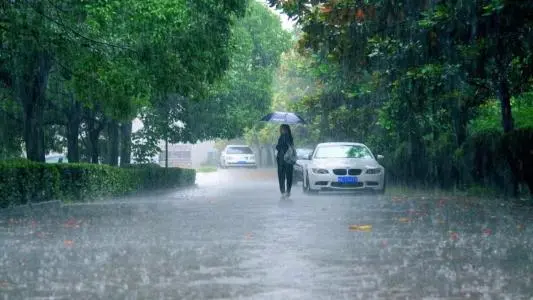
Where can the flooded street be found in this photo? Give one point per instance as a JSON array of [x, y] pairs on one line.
[[232, 237]]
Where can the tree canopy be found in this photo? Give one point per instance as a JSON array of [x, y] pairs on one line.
[[74, 74], [413, 78]]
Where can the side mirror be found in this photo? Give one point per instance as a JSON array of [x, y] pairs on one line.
[[380, 157], [310, 156]]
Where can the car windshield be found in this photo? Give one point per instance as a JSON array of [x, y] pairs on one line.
[[239, 150], [303, 152], [343, 151]]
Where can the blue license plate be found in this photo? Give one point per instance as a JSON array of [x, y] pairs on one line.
[[241, 162], [347, 179]]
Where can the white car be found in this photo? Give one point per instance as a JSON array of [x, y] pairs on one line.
[[237, 156], [343, 166]]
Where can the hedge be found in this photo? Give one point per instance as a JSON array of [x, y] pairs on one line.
[[501, 162], [23, 182]]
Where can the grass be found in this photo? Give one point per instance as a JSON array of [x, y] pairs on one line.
[[472, 192], [408, 191], [206, 169]]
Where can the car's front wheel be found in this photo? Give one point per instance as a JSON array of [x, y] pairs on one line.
[[382, 191], [306, 186]]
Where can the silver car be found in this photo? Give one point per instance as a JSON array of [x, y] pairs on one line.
[[303, 155], [237, 156]]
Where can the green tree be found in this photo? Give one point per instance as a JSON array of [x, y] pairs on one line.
[[225, 107]]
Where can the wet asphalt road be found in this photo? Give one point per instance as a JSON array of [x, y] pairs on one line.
[[233, 238]]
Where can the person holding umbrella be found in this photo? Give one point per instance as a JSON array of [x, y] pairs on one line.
[[286, 156], [285, 165]]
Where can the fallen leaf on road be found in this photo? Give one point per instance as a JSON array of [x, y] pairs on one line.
[[68, 243], [366, 228], [404, 220], [520, 227], [454, 236], [398, 199], [72, 223], [487, 231], [249, 235], [4, 284]]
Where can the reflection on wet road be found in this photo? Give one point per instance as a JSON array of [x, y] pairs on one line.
[[233, 238]]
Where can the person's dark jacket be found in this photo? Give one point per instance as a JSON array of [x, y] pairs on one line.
[[283, 145]]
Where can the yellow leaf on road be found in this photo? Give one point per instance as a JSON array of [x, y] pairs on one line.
[[361, 227]]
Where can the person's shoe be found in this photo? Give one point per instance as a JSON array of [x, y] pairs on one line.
[[288, 194]]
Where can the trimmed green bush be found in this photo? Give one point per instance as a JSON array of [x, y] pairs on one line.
[[23, 182], [80, 182], [500, 161], [519, 150], [488, 159]]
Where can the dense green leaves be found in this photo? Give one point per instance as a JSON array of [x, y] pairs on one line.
[[232, 103], [90, 65]]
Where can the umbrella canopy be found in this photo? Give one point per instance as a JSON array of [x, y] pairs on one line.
[[283, 118]]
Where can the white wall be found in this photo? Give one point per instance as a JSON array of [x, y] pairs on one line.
[[199, 152]]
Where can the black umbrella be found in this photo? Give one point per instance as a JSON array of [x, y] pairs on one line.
[[283, 117]]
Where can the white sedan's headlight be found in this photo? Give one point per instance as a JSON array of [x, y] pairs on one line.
[[373, 171], [320, 171]]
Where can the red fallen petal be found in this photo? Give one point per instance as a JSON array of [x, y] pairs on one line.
[[68, 243], [71, 221], [454, 236], [487, 231]]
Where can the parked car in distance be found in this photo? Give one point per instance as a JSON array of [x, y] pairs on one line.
[[343, 166], [56, 158], [303, 155], [237, 156]]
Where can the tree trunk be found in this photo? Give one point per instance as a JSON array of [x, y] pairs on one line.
[[505, 102], [166, 152], [324, 121], [113, 143], [93, 132], [34, 133], [461, 122], [93, 141], [73, 131], [125, 143], [31, 91]]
